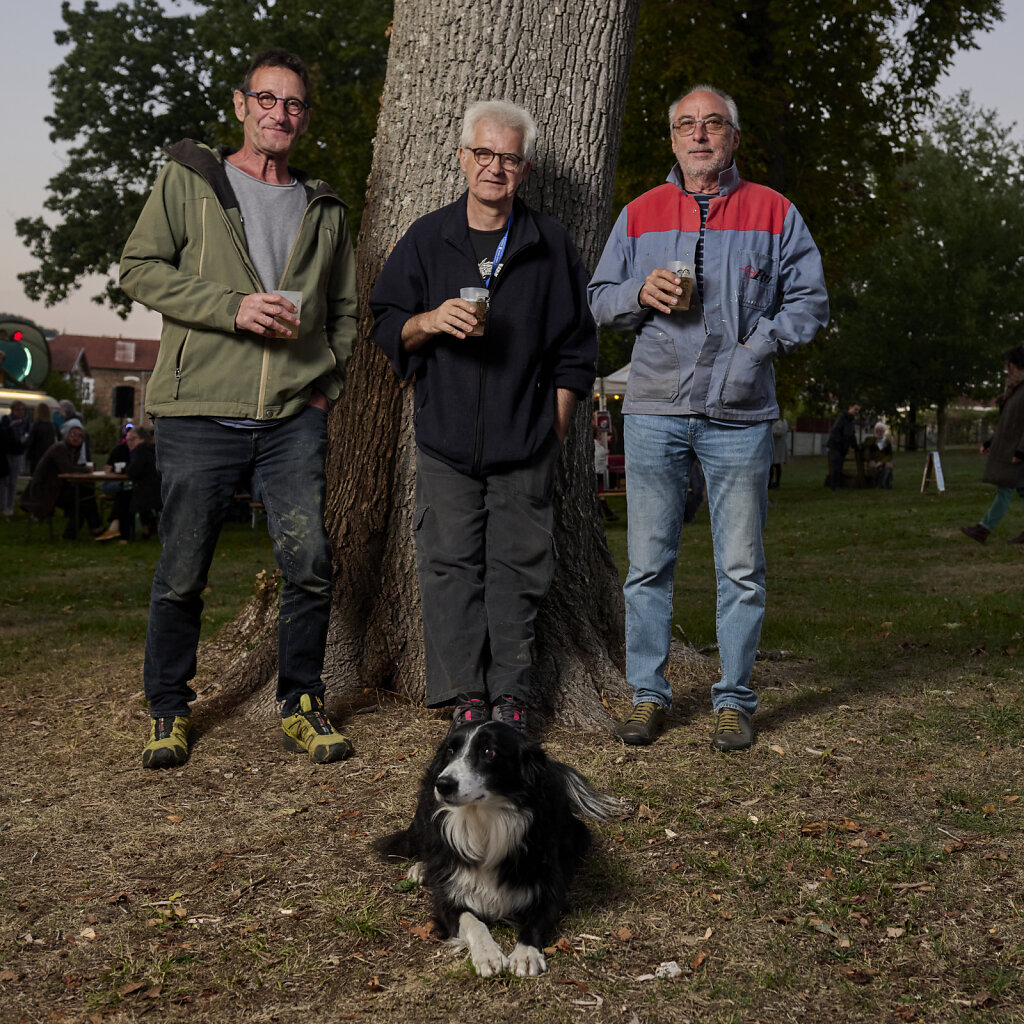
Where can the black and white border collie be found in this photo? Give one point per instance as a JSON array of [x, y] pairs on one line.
[[498, 835]]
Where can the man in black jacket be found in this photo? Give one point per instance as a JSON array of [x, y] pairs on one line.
[[491, 410], [841, 439]]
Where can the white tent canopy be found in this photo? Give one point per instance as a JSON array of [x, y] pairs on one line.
[[614, 383]]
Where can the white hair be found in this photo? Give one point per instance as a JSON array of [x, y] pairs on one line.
[[730, 103], [504, 113]]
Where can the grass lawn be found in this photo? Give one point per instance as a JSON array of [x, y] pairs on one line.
[[862, 862]]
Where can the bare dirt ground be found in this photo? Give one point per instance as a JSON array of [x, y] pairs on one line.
[[863, 862]]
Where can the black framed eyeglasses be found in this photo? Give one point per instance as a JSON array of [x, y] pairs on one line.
[[267, 100], [713, 125], [508, 161]]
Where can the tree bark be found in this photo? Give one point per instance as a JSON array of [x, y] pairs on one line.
[[569, 65]]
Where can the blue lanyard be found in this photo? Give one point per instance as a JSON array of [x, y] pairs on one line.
[[499, 252]]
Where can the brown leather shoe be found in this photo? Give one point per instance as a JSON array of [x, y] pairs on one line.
[[976, 532], [643, 725], [733, 730]]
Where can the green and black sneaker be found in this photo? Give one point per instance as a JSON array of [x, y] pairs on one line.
[[168, 742], [308, 730]]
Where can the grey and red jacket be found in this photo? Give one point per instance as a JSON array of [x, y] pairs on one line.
[[763, 295], [487, 403]]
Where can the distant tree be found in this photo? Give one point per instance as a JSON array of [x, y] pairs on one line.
[[140, 76], [926, 314]]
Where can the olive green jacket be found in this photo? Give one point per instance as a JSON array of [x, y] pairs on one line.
[[187, 259]]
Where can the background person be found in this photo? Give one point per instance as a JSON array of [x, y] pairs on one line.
[[780, 452], [1004, 465], [42, 434], [14, 431], [46, 490], [841, 439], [878, 453]]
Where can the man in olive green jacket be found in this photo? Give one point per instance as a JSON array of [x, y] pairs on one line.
[[250, 264]]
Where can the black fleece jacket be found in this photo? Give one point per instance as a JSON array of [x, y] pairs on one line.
[[484, 403]]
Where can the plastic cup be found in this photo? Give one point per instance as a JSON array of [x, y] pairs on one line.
[[480, 298], [684, 271], [295, 298]]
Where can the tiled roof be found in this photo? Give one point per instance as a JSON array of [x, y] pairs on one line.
[[120, 354]]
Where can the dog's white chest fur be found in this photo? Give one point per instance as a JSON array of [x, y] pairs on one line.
[[485, 834]]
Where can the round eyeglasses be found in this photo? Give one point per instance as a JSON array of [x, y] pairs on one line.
[[508, 161], [267, 100], [713, 125]]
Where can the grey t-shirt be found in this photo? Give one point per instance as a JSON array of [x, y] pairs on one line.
[[271, 215]]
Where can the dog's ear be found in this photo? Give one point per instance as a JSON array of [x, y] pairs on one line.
[[533, 763]]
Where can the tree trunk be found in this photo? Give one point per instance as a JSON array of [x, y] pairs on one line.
[[568, 65]]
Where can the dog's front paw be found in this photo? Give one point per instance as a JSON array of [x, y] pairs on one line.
[[527, 961], [417, 873], [489, 961]]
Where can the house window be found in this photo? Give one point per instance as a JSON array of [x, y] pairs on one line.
[[124, 352]]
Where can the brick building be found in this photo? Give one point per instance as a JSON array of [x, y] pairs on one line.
[[110, 373]]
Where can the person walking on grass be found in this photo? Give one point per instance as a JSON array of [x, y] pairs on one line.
[[1004, 466], [702, 386], [241, 389]]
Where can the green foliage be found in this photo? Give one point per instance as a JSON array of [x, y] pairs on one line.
[[139, 77], [926, 317], [104, 433]]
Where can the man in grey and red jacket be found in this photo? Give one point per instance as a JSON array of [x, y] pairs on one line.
[[491, 412], [748, 288]]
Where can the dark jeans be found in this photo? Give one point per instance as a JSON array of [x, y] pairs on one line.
[[202, 463], [485, 556]]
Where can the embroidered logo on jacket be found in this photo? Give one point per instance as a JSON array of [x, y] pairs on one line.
[[752, 273]]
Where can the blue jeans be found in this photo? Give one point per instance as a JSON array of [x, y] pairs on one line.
[[1000, 506], [202, 465], [736, 461]]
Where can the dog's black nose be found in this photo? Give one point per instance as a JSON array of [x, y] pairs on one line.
[[446, 787]]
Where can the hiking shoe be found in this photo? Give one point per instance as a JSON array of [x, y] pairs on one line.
[[168, 742], [471, 709], [1019, 539], [732, 730], [643, 725], [976, 532], [510, 711], [308, 730]]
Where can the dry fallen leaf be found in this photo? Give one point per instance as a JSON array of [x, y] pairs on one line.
[[894, 933], [422, 931], [777, 749], [858, 975], [624, 934]]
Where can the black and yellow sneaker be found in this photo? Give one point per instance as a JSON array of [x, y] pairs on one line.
[[308, 730], [643, 725], [168, 742]]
